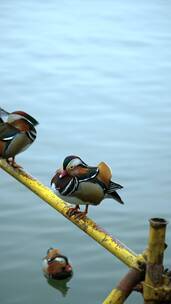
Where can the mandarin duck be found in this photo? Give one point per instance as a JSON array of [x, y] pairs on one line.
[[17, 133], [56, 266], [80, 184]]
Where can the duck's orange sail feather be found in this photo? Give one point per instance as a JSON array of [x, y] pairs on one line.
[[105, 173]]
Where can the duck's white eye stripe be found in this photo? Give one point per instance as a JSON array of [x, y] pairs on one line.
[[59, 260], [74, 162], [13, 117]]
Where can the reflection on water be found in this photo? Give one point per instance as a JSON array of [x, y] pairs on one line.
[[96, 75], [61, 286]]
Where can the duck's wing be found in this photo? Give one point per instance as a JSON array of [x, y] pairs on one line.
[[116, 197], [87, 174], [111, 191], [7, 132], [105, 173], [114, 186]]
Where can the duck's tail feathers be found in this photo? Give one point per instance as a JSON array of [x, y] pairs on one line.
[[111, 191], [3, 111], [116, 196], [3, 114], [113, 186]]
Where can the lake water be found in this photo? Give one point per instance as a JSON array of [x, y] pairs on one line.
[[97, 77]]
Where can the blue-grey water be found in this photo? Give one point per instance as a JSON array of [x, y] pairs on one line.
[[97, 77]]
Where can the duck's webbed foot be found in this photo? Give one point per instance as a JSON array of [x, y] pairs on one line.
[[73, 210], [11, 162], [79, 214]]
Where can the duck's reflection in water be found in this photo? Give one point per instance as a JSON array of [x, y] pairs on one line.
[[60, 285]]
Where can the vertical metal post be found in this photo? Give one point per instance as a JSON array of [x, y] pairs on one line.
[[154, 269]]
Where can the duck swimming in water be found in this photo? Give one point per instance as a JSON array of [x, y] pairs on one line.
[[56, 265]]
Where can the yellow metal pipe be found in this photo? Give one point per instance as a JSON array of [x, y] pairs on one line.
[[116, 296], [113, 245], [119, 294], [154, 270]]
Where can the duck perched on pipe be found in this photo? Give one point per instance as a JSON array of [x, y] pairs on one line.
[[17, 133], [81, 184]]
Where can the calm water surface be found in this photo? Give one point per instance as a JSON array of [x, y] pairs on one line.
[[96, 75]]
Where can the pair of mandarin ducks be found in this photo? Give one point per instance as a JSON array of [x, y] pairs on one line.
[[76, 182]]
